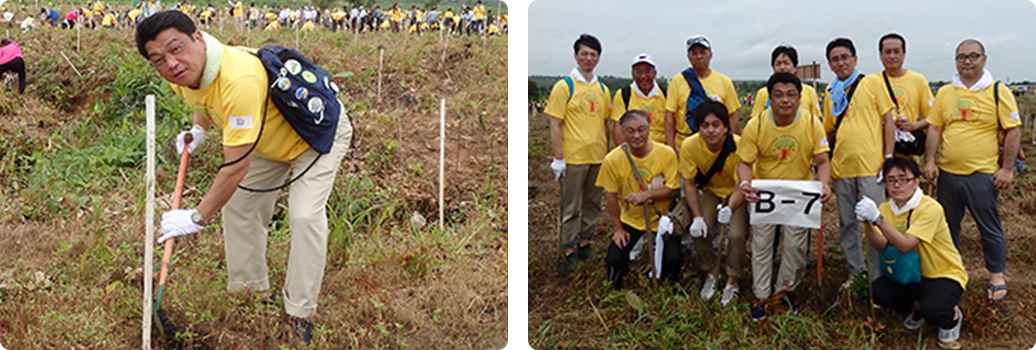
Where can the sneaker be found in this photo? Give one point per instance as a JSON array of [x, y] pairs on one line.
[[759, 311], [709, 288], [785, 302], [912, 324], [729, 293], [951, 335], [585, 253], [303, 328], [850, 280], [567, 265]]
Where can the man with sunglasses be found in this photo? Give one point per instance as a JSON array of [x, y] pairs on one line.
[[227, 87], [965, 120]]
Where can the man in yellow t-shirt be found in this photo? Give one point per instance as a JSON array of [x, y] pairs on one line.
[[644, 95], [226, 87], [964, 123], [914, 221], [578, 108], [698, 154], [864, 134], [913, 98], [480, 16], [785, 59], [627, 197], [717, 86], [781, 145]]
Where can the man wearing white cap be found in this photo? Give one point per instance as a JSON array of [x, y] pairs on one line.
[[642, 94], [695, 84]]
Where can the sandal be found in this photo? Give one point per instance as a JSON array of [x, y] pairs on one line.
[[996, 288]]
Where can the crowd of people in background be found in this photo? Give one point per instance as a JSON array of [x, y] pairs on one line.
[[418, 19]]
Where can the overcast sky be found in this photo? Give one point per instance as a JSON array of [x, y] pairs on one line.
[[743, 33]]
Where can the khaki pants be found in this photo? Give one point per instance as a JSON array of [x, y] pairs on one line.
[[580, 203], [737, 232], [247, 214], [793, 258]]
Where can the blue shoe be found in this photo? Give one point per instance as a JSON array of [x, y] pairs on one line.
[[303, 328], [785, 302], [759, 311]]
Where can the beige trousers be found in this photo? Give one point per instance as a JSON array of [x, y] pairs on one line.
[[247, 215], [793, 258], [580, 203], [737, 232]]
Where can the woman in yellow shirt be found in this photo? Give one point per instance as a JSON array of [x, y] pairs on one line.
[[912, 220]]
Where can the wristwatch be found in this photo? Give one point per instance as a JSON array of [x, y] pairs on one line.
[[196, 217], [877, 222]]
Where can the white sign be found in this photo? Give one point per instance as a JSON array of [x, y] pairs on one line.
[[787, 202]]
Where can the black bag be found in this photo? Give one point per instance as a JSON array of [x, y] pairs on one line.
[[902, 147]]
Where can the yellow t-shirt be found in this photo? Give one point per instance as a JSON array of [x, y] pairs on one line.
[[270, 16], [308, 26], [654, 106], [969, 122], [108, 21], [616, 176], [480, 12], [448, 15], [205, 15], [134, 13], [695, 157], [782, 152], [238, 10], [233, 102], [807, 99], [913, 96], [939, 257], [859, 147], [716, 86], [273, 26], [583, 135]]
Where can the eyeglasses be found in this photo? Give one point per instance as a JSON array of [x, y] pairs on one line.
[[841, 58], [176, 51], [974, 56], [899, 181]]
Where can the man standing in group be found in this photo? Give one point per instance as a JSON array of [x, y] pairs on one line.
[[578, 109], [781, 145], [858, 113], [643, 94], [964, 121], [227, 87], [785, 59], [480, 17], [697, 83], [913, 97]]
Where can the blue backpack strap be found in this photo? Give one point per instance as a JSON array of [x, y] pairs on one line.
[[571, 87], [694, 98]]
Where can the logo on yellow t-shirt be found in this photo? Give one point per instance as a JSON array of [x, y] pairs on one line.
[[900, 95], [633, 179], [964, 108], [784, 149], [591, 99], [650, 110]]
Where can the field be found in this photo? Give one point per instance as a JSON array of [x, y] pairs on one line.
[[72, 199], [582, 311]]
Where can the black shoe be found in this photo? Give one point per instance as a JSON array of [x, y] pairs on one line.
[[303, 328], [567, 265], [759, 311], [585, 253], [785, 302]]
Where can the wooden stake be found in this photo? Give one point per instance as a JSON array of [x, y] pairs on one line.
[[149, 223], [70, 64], [442, 158], [381, 64]]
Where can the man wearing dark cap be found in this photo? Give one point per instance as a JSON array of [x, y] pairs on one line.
[[702, 82]]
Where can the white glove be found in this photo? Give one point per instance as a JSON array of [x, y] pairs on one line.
[[665, 226], [558, 165], [659, 248], [198, 135], [176, 223], [723, 215], [866, 210], [698, 229]]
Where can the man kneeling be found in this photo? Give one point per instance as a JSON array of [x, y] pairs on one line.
[[653, 183]]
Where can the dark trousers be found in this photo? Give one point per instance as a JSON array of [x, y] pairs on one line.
[[16, 65], [977, 194], [618, 259], [936, 296]]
